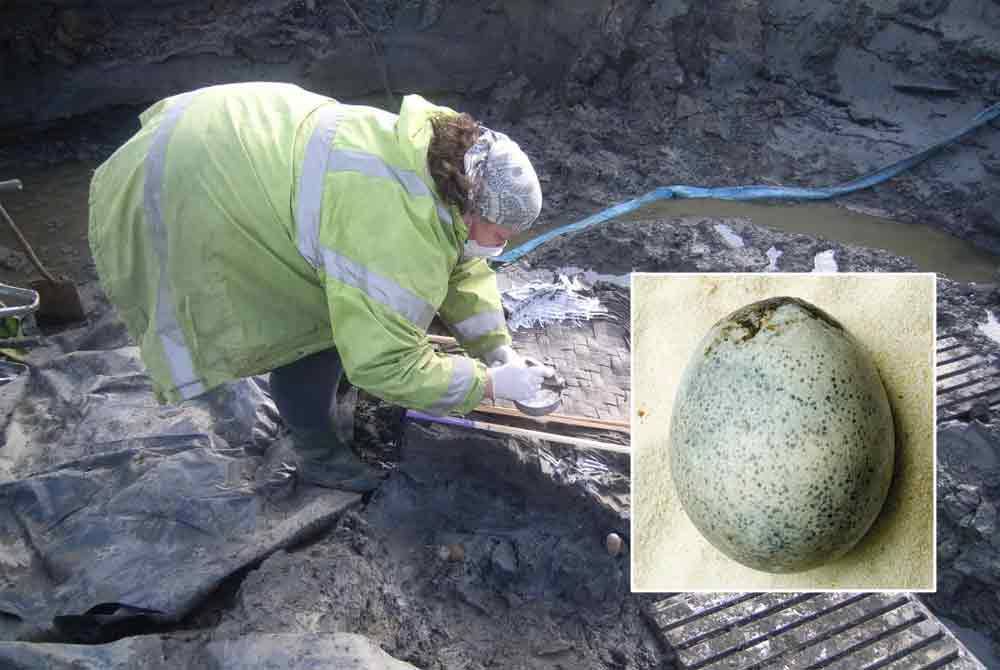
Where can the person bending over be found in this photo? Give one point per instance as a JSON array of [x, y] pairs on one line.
[[260, 227]]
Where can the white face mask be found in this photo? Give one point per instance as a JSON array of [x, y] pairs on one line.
[[474, 249]]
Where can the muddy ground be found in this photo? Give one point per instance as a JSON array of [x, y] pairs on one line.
[[470, 557], [612, 99]]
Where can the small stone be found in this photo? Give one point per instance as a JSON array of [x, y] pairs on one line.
[[451, 552], [456, 553], [686, 106], [985, 520], [14, 260], [613, 542], [504, 559], [553, 648], [980, 411]]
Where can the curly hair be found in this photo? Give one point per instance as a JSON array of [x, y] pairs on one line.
[[453, 136]]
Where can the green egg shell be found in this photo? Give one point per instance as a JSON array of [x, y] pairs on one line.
[[782, 438]]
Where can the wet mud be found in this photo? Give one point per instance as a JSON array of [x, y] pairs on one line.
[[468, 557]]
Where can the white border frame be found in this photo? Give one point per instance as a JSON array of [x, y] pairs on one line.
[[934, 455]]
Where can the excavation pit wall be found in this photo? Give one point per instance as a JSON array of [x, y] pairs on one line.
[[612, 99]]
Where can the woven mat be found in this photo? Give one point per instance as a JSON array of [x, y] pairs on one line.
[[593, 357]]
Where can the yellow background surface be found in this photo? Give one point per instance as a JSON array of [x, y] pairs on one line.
[[892, 315]]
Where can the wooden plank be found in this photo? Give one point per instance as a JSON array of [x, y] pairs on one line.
[[853, 638], [771, 637], [443, 340], [565, 419]]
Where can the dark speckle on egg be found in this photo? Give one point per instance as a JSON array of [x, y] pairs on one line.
[[782, 437]]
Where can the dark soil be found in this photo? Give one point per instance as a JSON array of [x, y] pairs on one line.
[[468, 557]]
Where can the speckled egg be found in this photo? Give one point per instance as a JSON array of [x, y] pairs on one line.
[[782, 438]]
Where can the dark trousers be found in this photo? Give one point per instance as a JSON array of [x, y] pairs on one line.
[[306, 391]]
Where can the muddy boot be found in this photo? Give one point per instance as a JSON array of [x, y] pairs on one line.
[[275, 477], [305, 393], [322, 459]]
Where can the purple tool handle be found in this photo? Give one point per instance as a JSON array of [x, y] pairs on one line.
[[447, 420]]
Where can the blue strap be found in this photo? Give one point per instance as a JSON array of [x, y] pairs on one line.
[[753, 192]]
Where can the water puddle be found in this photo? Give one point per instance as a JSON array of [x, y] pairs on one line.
[[930, 249]]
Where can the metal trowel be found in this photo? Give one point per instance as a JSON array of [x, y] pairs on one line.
[[548, 399]]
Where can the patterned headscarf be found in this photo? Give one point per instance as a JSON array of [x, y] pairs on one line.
[[505, 188]]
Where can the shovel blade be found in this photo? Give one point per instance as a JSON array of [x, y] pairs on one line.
[[58, 301]]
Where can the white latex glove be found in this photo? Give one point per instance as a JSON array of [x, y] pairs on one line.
[[518, 382], [501, 355]]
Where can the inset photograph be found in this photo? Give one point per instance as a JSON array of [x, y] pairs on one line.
[[783, 432]]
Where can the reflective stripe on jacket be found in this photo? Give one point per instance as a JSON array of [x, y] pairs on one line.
[[247, 225]]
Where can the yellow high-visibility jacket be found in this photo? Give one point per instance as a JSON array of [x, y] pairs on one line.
[[247, 225]]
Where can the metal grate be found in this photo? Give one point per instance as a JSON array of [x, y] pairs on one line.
[[964, 377], [806, 631]]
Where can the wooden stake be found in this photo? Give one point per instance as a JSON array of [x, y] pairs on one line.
[[443, 339], [565, 419], [580, 442]]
